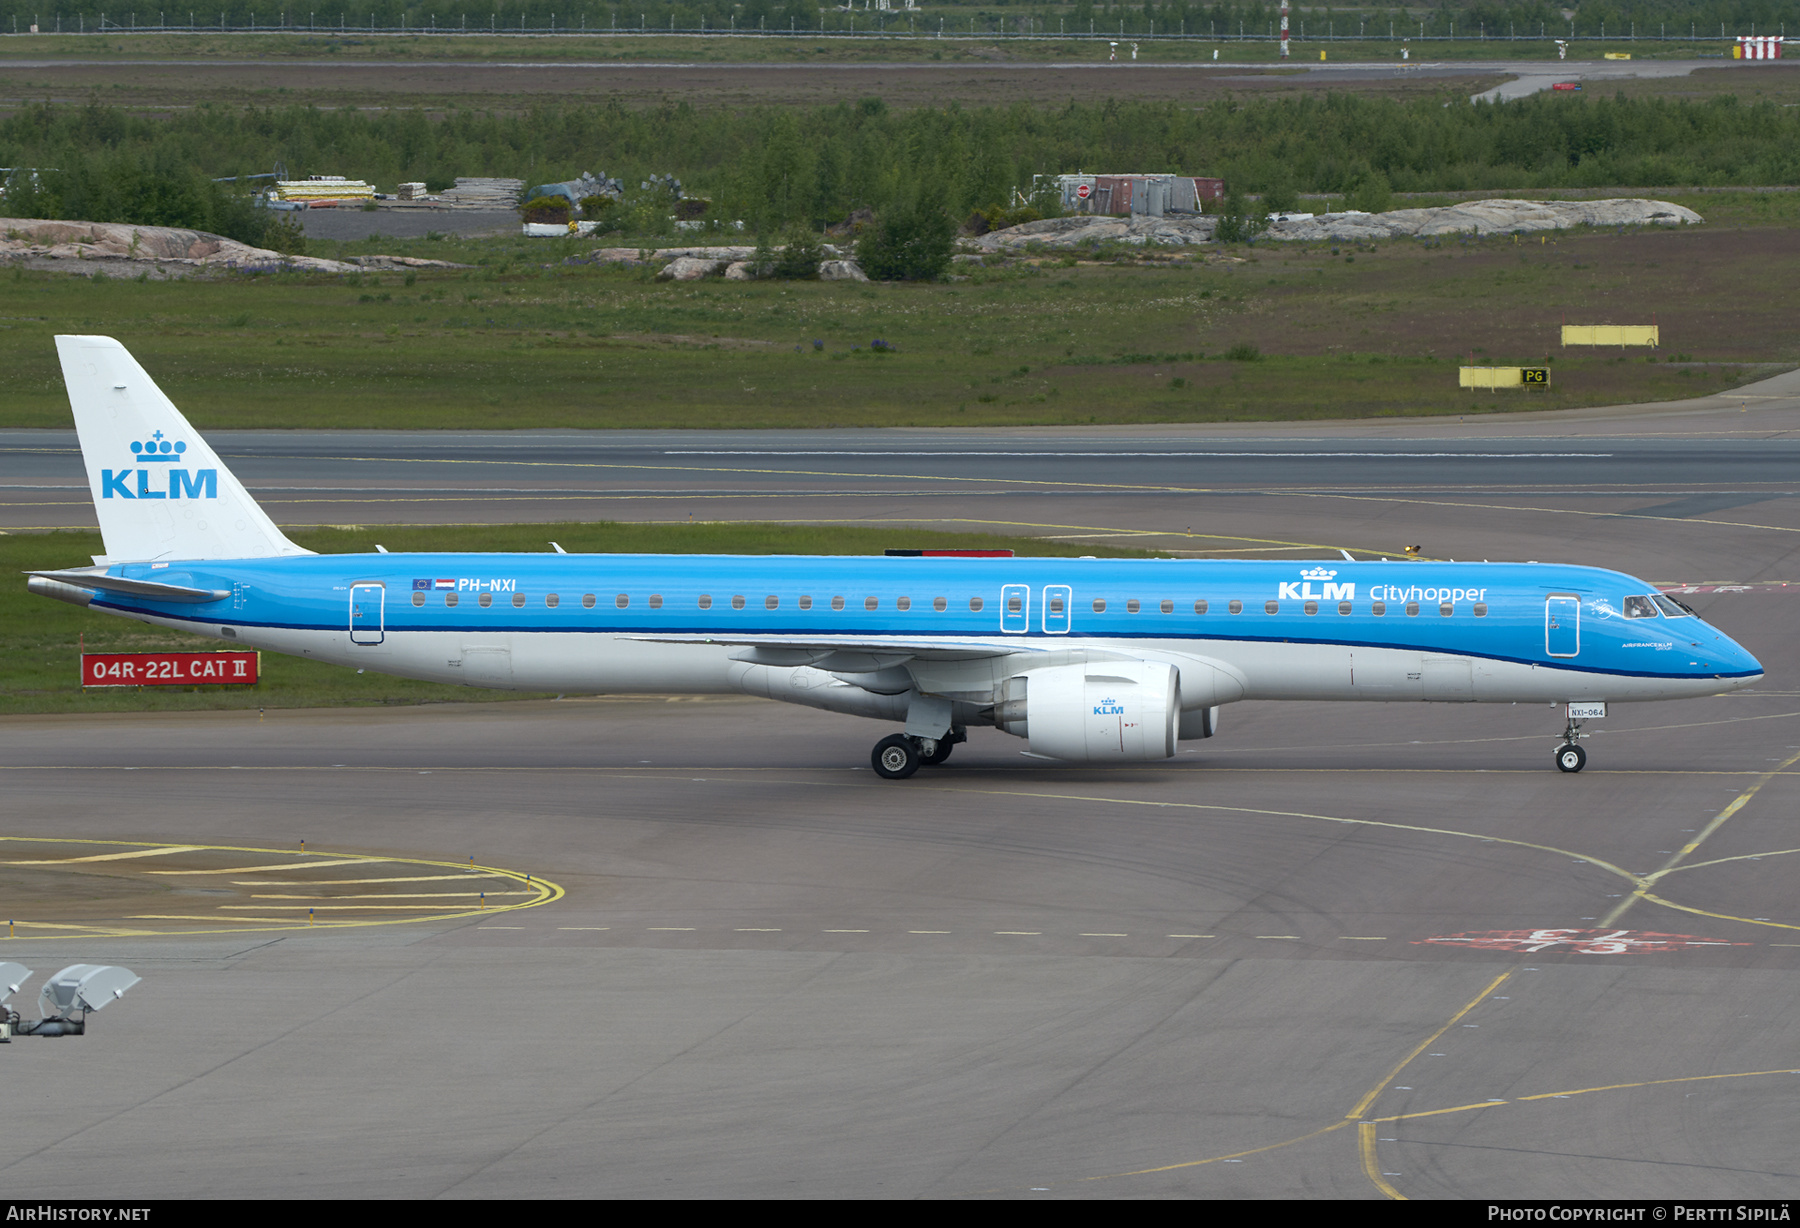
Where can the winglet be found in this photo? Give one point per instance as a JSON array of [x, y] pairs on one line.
[[159, 490]]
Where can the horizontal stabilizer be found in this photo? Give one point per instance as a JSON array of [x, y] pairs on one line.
[[83, 578]]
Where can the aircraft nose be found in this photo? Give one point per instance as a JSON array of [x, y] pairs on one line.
[[1741, 668]]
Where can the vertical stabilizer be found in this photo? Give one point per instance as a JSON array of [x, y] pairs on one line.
[[159, 490]]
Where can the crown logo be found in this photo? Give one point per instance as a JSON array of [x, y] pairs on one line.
[[1317, 573], [156, 448]]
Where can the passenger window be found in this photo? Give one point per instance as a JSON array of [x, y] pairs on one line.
[[485, 600], [551, 600], [1056, 604], [518, 601], [1639, 607], [587, 601], [1168, 607], [1131, 606], [871, 603], [623, 601], [771, 602], [737, 601], [1446, 609], [975, 604], [905, 603], [1343, 607], [706, 601], [1014, 604], [1236, 607], [837, 603], [1311, 608], [1099, 605], [656, 601], [806, 601], [418, 598], [1378, 609], [1481, 609], [1412, 609], [939, 604], [450, 601], [1271, 607], [1200, 606]]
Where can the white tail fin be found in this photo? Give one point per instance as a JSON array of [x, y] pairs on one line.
[[159, 490]]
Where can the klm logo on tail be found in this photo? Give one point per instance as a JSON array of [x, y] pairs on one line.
[[180, 483]]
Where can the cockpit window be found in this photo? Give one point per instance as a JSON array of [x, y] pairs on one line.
[[1672, 608], [1640, 607]]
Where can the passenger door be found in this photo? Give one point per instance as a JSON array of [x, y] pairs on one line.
[[368, 611], [1562, 626]]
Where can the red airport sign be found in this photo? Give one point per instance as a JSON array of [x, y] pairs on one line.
[[170, 668], [1565, 85]]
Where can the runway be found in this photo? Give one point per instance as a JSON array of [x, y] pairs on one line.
[[1221, 489], [1351, 951]]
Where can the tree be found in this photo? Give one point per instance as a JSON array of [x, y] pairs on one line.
[[910, 241], [1236, 223]]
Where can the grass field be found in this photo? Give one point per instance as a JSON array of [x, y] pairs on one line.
[[528, 340], [41, 640]]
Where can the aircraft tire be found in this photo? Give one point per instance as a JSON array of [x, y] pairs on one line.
[[895, 757], [1570, 758]]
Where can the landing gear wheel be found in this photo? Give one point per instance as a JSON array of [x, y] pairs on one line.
[[1570, 758], [895, 758], [943, 746]]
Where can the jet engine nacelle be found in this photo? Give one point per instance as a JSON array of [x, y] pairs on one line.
[[1102, 711]]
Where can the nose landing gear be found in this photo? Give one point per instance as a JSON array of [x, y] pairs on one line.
[[1569, 756]]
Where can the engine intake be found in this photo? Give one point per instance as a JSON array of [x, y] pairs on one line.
[[1103, 711]]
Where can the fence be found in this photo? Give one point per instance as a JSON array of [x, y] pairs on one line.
[[892, 23]]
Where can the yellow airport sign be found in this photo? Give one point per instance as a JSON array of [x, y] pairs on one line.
[[1611, 334], [1503, 377]]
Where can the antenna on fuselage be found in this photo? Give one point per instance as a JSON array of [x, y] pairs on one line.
[[557, 548]]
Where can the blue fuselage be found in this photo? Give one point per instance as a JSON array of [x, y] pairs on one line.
[[1289, 629]]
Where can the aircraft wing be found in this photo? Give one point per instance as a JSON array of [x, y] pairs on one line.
[[846, 654]]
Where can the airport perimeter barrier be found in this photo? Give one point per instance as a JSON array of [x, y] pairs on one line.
[[1611, 334], [1503, 377], [887, 24]]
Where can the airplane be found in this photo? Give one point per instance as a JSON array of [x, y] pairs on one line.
[[1088, 660]]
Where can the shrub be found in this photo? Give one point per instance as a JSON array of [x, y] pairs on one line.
[[908, 242], [799, 257], [547, 210], [1236, 224]]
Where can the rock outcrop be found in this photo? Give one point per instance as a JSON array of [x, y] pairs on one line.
[[1475, 217], [35, 239]]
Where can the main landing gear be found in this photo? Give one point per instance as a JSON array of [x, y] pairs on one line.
[[1569, 756], [899, 756]]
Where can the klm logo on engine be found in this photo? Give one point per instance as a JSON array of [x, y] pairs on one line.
[[1109, 707], [1302, 590], [160, 477]]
